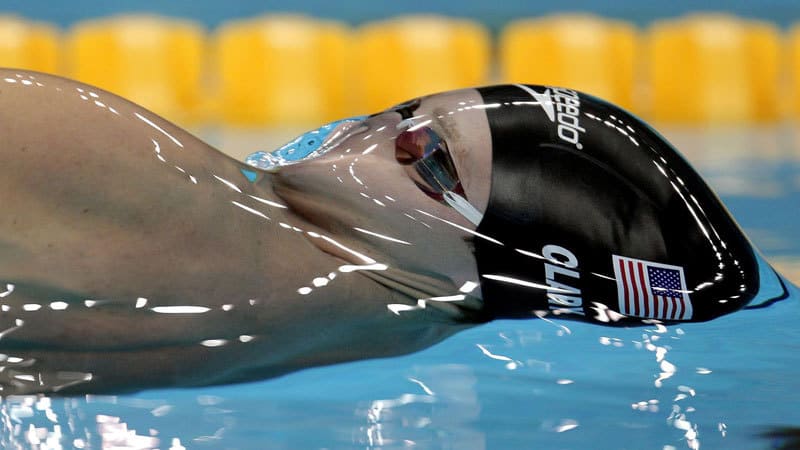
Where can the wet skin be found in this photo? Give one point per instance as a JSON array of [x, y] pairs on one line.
[[111, 213]]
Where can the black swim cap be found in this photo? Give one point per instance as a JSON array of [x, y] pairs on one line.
[[595, 212]]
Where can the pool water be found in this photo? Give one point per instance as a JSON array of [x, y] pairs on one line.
[[725, 384]]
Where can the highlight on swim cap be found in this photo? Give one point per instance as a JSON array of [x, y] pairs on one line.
[[308, 145], [599, 218]]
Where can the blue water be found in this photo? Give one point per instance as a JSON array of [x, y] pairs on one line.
[[508, 384]]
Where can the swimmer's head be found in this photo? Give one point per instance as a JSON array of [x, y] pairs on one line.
[[600, 209], [549, 200]]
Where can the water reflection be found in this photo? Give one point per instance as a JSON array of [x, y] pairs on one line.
[[564, 389], [437, 413], [41, 423]]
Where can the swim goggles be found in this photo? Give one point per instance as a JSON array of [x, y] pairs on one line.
[[428, 162]]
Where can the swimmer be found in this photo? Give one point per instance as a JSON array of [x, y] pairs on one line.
[[133, 255]]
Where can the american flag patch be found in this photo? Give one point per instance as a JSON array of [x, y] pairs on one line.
[[651, 290]]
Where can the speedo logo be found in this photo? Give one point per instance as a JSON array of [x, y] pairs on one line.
[[562, 107]]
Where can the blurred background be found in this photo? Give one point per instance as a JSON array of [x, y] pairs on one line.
[[253, 64], [721, 79]]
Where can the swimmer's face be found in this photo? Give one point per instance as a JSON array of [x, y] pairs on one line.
[[408, 184]]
